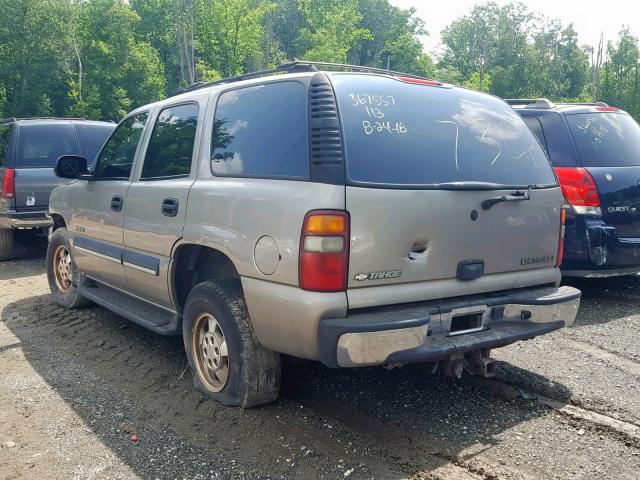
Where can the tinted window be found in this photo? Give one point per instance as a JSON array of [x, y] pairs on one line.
[[398, 133], [606, 139], [116, 158], [262, 131], [171, 146], [534, 125], [91, 137], [40, 145], [559, 145], [5, 138]]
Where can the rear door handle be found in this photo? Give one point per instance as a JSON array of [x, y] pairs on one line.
[[170, 207], [116, 203]]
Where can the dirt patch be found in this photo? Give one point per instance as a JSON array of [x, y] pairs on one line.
[[76, 385]]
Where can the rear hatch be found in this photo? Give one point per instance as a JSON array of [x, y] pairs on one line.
[[421, 160], [40, 144], [608, 143]]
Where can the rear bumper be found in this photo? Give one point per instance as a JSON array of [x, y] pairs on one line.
[[31, 219], [421, 332], [594, 249]]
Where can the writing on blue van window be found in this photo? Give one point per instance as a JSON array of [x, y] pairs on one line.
[[377, 107], [588, 126]]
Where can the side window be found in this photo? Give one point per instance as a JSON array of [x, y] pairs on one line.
[[261, 131], [171, 146], [117, 155], [534, 125], [561, 149], [5, 138], [91, 137]]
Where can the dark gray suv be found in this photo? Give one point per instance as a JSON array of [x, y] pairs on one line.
[[29, 149], [357, 217]]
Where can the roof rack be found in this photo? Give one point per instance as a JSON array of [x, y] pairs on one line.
[[531, 102], [297, 66], [593, 104], [15, 119], [548, 104]]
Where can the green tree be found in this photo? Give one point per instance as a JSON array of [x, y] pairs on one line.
[[120, 72], [332, 29]]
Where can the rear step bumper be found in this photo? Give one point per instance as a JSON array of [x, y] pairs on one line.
[[426, 331], [30, 219]]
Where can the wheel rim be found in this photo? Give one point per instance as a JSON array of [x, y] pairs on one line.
[[211, 352], [62, 268]]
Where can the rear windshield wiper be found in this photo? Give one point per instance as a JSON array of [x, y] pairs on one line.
[[472, 185], [517, 196]]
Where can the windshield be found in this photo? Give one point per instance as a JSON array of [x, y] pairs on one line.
[[398, 133], [606, 139]]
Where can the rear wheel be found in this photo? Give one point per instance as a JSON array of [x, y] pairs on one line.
[[6, 243], [228, 363], [61, 271]]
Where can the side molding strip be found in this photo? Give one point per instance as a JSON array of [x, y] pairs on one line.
[[138, 261]]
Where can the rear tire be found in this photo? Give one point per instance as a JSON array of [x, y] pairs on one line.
[[226, 358], [7, 244], [62, 272]]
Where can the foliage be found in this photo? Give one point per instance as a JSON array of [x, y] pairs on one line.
[[102, 58]]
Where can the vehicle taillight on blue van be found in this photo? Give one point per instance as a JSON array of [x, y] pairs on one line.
[[579, 189]]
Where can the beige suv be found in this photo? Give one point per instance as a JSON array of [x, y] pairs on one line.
[[352, 216]]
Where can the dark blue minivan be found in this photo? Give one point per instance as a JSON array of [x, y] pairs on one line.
[[595, 152]]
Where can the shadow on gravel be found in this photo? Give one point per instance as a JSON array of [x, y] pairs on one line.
[[122, 379]]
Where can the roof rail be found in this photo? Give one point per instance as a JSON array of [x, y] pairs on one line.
[[15, 119], [531, 102], [593, 104], [296, 66]]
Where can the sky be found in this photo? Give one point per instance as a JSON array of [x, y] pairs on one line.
[[590, 17]]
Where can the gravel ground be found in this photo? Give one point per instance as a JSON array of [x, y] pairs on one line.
[[75, 386]]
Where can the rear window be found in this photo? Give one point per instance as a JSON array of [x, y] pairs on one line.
[[40, 145], [606, 139], [398, 133], [5, 134], [91, 137]]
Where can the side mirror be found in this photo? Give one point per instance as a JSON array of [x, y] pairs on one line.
[[71, 166]]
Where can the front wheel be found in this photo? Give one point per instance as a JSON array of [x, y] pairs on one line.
[[61, 271], [228, 363]]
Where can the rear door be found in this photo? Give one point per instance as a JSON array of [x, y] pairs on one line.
[[156, 203], [420, 162], [608, 145], [40, 144]]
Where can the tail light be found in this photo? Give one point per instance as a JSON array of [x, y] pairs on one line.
[[324, 251], [563, 219], [8, 184], [580, 190]]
